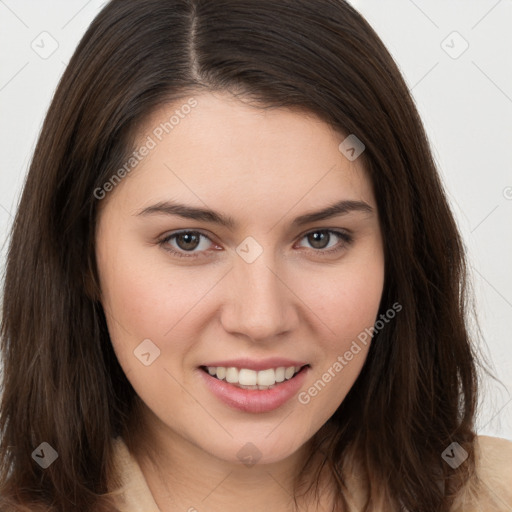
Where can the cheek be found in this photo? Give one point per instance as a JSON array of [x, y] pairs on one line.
[[334, 375], [347, 305], [142, 299], [346, 301]]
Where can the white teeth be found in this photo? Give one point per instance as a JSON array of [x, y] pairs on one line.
[[251, 379], [266, 377], [288, 373], [232, 375], [247, 377]]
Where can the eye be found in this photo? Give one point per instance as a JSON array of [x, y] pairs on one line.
[[184, 242], [324, 240], [192, 244]]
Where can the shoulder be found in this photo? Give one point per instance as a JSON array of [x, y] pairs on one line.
[[491, 489], [494, 464], [495, 453], [130, 488]]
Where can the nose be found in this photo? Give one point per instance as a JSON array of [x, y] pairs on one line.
[[259, 305]]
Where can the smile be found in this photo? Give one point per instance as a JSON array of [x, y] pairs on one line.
[[254, 391], [252, 379]]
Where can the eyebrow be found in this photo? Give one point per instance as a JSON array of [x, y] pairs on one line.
[[206, 215]]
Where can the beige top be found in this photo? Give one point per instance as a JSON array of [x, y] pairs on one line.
[[494, 467]]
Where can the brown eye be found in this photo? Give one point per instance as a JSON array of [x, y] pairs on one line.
[[327, 241], [319, 239], [188, 241]]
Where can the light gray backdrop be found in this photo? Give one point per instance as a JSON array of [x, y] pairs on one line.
[[456, 56]]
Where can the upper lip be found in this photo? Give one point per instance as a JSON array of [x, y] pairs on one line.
[[262, 364]]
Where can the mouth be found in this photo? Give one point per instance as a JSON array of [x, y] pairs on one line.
[[262, 389], [261, 380]]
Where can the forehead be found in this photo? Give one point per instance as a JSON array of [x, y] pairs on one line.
[[224, 151]]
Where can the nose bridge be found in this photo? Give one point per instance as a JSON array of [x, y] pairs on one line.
[[259, 305]]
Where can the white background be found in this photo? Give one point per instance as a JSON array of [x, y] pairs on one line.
[[465, 102]]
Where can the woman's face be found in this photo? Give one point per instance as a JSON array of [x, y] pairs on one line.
[[256, 281]]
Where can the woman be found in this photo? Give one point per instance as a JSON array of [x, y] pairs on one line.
[[234, 278]]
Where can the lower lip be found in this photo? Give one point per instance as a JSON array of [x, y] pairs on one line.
[[254, 400]]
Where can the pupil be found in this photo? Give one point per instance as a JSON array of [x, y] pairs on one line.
[[190, 241], [319, 239]]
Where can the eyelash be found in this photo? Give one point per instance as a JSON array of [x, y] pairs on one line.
[[345, 237]]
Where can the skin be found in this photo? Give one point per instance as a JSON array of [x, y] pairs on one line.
[[263, 169]]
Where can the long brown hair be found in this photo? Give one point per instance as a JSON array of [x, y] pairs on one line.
[[62, 383]]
